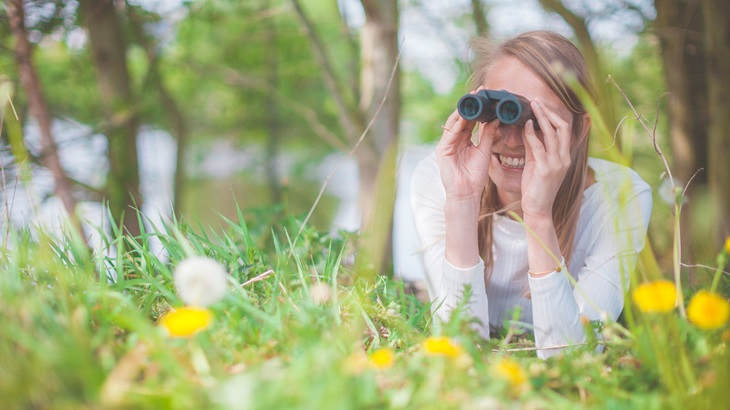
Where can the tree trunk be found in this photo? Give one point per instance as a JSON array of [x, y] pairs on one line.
[[379, 82], [717, 40], [109, 53], [175, 118], [39, 110], [271, 103], [679, 26]]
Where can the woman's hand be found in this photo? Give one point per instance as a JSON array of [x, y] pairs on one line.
[[546, 161], [464, 166], [464, 169]]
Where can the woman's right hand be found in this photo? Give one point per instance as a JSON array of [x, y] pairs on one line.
[[464, 166]]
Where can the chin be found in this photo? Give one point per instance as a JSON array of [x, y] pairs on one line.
[[511, 188], [508, 182]]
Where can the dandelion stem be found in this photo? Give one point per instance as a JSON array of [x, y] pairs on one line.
[[716, 279], [677, 253]]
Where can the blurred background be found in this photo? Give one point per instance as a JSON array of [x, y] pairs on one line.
[[193, 109]]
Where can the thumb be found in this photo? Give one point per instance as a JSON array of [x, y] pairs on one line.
[[529, 153], [486, 138]]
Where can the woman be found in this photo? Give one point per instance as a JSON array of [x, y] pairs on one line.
[[587, 217]]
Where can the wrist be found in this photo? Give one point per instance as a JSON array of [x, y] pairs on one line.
[[461, 242], [537, 219], [464, 205], [466, 200]]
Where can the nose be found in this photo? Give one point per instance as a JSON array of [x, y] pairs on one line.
[[511, 135]]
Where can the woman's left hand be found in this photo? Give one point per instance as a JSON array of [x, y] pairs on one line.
[[546, 161]]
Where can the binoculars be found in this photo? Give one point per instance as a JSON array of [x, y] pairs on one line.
[[486, 105]]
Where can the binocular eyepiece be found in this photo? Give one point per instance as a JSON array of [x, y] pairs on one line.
[[486, 105]]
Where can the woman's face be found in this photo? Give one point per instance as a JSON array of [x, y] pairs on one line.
[[508, 149]]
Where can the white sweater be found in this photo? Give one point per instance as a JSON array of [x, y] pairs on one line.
[[611, 231]]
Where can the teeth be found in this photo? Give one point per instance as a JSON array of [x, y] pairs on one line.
[[512, 162]]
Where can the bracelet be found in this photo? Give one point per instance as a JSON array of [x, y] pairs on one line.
[[557, 269]]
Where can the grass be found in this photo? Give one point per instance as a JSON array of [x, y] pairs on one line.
[[72, 339]]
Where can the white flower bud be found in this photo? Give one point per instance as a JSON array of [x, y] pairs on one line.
[[200, 281], [320, 293]]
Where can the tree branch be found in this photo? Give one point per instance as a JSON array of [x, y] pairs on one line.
[[238, 79], [349, 117], [39, 109]]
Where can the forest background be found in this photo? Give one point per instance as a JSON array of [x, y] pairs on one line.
[[293, 82], [248, 107]]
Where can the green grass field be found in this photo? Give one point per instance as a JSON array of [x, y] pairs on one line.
[[298, 328]]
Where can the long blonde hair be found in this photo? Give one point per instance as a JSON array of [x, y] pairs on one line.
[[562, 67]]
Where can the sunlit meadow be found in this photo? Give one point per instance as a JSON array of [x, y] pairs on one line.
[[265, 325]]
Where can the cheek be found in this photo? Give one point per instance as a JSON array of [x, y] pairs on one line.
[[494, 168]]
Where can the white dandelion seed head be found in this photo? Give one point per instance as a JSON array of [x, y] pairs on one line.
[[200, 281], [668, 193], [320, 293]]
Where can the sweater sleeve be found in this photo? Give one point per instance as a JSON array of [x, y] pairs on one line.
[[446, 283], [598, 294]]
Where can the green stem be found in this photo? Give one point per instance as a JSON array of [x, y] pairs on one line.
[[677, 253], [718, 272]]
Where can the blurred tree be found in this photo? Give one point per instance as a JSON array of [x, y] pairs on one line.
[[39, 109], [717, 45], [479, 12], [121, 123], [263, 91], [679, 25], [273, 135], [377, 113], [173, 113], [694, 38]]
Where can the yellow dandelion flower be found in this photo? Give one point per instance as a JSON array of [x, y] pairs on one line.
[[441, 346], [727, 244], [657, 296], [511, 372], [382, 358], [708, 310], [187, 321]]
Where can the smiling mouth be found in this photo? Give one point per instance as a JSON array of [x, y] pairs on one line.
[[512, 162]]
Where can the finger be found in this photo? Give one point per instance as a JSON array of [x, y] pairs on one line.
[[486, 138], [534, 147], [565, 134], [451, 121], [449, 135], [458, 135], [562, 130], [548, 131], [529, 154]]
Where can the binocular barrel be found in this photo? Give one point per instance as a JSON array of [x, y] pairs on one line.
[[486, 105]]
